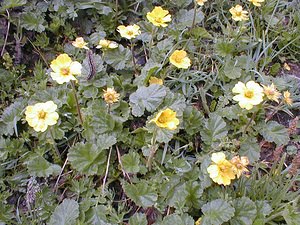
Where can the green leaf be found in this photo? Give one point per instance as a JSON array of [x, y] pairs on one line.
[[263, 208], [66, 213], [184, 18], [131, 162], [8, 4], [138, 219], [214, 130], [217, 212], [192, 120], [33, 21], [10, 117], [86, 67], [177, 220], [40, 167], [118, 58], [87, 158], [275, 132], [251, 149], [224, 49], [245, 211], [291, 215], [141, 193], [194, 193], [148, 98], [231, 70], [201, 32]]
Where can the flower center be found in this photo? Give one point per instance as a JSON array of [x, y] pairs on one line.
[[65, 71], [163, 118], [42, 115], [249, 94], [130, 33], [158, 20]]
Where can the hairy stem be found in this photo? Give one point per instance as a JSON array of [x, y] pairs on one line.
[[77, 103]]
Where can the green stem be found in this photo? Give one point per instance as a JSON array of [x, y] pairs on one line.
[[77, 103], [133, 59], [153, 149], [106, 172], [249, 122], [194, 16], [56, 151], [152, 38]]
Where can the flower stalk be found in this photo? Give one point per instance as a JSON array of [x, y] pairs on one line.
[[77, 102]]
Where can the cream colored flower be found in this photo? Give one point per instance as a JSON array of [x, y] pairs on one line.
[[248, 95], [256, 2], [287, 98], [64, 69], [41, 115], [198, 222], [238, 14], [201, 2], [155, 80], [286, 67], [271, 92], [221, 171], [129, 32], [159, 17], [80, 43], [240, 165], [110, 96], [166, 119], [107, 44], [180, 60]]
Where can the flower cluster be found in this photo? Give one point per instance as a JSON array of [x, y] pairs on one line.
[[222, 171], [251, 94]]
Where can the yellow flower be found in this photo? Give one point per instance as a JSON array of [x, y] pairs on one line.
[[198, 222], [287, 98], [111, 96], [159, 17], [221, 171], [286, 66], [166, 119], [248, 95], [107, 44], [64, 69], [271, 92], [238, 14], [41, 115], [130, 31], [180, 60], [240, 165], [256, 2], [80, 43], [155, 80], [201, 2]]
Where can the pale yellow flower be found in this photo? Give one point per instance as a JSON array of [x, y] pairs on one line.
[[64, 69], [256, 2], [166, 119], [110, 96], [286, 67], [221, 171], [248, 95], [240, 165], [271, 92], [107, 44], [198, 222], [180, 60], [287, 98], [129, 32], [80, 43], [201, 2], [159, 17], [238, 14], [41, 115], [155, 80]]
